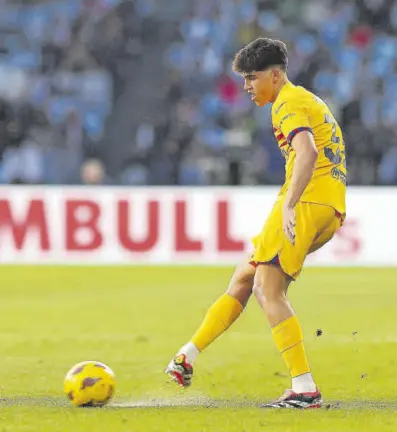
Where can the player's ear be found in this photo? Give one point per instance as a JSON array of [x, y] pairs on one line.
[[276, 75]]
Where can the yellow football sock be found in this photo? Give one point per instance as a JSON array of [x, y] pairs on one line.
[[220, 316], [288, 337]]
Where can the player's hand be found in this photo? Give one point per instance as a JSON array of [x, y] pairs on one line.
[[289, 223]]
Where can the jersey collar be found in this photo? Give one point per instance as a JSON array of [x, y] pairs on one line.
[[284, 88]]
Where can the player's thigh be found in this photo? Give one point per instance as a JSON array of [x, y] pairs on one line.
[[326, 234], [312, 224], [273, 247], [315, 226], [268, 242], [242, 281]]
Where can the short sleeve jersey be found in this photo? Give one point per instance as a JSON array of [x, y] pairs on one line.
[[296, 110]]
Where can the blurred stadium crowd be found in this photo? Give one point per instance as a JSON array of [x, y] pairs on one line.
[[141, 92]]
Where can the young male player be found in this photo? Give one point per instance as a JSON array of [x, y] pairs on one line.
[[309, 210]]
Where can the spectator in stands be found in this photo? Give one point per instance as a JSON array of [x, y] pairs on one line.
[[93, 173], [121, 65]]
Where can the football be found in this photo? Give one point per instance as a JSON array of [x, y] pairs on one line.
[[89, 384]]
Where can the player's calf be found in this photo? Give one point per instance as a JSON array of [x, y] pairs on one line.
[[219, 318], [271, 285]]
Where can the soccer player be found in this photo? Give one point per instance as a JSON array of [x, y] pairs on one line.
[[309, 210]]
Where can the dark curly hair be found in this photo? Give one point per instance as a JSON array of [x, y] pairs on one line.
[[261, 54]]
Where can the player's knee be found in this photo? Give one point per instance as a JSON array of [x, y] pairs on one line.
[[267, 288], [246, 276], [243, 276], [241, 284], [257, 291], [267, 295]]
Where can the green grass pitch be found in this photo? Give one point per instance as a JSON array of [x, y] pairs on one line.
[[135, 318]]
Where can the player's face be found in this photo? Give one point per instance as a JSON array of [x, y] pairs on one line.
[[260, 85]]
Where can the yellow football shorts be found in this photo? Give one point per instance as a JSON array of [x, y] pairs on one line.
[[316, 224]]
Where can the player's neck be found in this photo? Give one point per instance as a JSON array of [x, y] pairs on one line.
[[278, 89]]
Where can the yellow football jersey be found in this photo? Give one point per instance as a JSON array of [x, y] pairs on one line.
[[296, 109]]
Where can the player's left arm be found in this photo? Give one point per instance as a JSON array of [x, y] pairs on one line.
[[305, 161], [292, 119]]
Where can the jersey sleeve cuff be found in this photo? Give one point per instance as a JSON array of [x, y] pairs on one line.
[[296, 131]]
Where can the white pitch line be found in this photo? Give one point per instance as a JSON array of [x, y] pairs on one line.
[[167, 403]]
